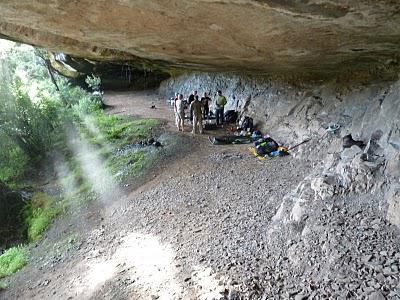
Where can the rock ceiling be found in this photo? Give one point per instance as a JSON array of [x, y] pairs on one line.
[[264, 36]]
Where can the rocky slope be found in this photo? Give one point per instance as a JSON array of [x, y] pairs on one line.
[[336, 230], [213, 222], [291, 113], [309, 37]]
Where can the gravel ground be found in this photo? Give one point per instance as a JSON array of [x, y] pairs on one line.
[[203, 226]]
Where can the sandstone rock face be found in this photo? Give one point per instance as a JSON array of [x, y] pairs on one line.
[[268, 36]]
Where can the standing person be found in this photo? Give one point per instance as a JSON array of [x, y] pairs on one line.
[[205, 100], [196, 107], [190, 100], [220, 103], [173, 99], [179, 113]]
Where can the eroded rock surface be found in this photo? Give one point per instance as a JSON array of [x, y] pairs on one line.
[[269, 36]]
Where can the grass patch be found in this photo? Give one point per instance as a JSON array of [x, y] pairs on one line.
[[3, 285], [12, 260], [109, 132], [38, 214], [129, 164], [119, 130]]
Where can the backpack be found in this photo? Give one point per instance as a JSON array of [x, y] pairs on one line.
[[266, 146], [230, 116], [247, 124]]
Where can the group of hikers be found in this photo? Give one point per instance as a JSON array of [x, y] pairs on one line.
[[245, 133], [199, 109]]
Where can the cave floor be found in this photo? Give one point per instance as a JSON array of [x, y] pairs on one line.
[[197, 227]]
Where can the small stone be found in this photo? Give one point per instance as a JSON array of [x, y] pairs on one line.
[[46, 282], [377, 295], [380, 277], [368, 290], [233, 295], [387, 271], [366, 258], [395, 268], [300, 297]]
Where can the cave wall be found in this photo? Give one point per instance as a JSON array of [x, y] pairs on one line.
[[292, 112]]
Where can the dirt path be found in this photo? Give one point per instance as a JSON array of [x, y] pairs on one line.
[[195, 229]]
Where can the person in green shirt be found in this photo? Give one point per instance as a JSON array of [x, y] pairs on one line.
[[220, 103]]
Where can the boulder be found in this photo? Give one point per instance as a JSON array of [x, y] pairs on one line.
[[393, 210], [325, 186], [349, 153]]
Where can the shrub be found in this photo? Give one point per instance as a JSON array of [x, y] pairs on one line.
[[24, 122], [93, 82], [12, 260], [71, 95], [85, 106], [13, 161]]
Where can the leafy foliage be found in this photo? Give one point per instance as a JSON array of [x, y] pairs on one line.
[[28, 115], [25, 122], [85, 106], [33, 110], [93, 82], [13, 161], [36, 106], [12, 260]]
